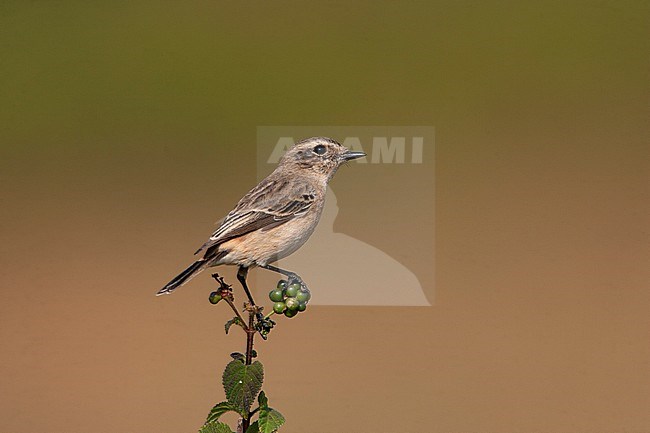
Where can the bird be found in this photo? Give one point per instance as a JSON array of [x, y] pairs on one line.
[[276, 217]]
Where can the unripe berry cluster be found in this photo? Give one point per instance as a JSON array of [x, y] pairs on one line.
[[289, 299]]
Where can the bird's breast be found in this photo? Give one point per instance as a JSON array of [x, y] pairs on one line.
[[261, 247]]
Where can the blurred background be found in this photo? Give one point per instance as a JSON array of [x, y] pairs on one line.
[[128, 128]]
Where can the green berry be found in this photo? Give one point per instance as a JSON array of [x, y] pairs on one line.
[[290, 313], [302, 306], [303, 296], [215, 297], [276, 295], [279, 307], [282, 284], [293, 290], [292, 304]]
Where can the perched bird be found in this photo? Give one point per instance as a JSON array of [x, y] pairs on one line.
[[276, 217]]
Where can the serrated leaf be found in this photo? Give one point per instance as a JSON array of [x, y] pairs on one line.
[[242, 383], [233, 321], [270, 420], [219, 409], [253, 428], [215, 427]]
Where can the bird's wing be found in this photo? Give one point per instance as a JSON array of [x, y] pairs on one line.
[[268, 205]]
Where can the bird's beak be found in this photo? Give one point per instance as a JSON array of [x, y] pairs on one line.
[[350, 155]]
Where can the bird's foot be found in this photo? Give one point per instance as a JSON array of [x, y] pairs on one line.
[[295, 279]]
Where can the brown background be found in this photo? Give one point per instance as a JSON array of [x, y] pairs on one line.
[[127, 129]]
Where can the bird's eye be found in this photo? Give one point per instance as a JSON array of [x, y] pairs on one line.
[[320, 149]]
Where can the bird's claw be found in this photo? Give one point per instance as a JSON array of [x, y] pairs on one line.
[[296, 279]]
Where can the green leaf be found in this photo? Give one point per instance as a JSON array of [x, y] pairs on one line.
[[253, 428], [242, 383], [219, 409], [270, 420], [233, 321], [215, 427], [263, 401]]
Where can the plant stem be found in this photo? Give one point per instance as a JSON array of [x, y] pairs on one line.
[[232, 305], [226, 291], [250, 337]]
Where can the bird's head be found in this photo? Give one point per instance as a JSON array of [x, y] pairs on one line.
[[319, 155]]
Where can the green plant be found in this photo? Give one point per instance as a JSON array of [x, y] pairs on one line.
[[243, 377]]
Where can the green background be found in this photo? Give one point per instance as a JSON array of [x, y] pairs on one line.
[[127, 128]]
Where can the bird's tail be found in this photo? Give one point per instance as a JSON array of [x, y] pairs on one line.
[[183, 277]]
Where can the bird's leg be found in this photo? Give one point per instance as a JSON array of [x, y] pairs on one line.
[[293, 277], [241, 276]]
